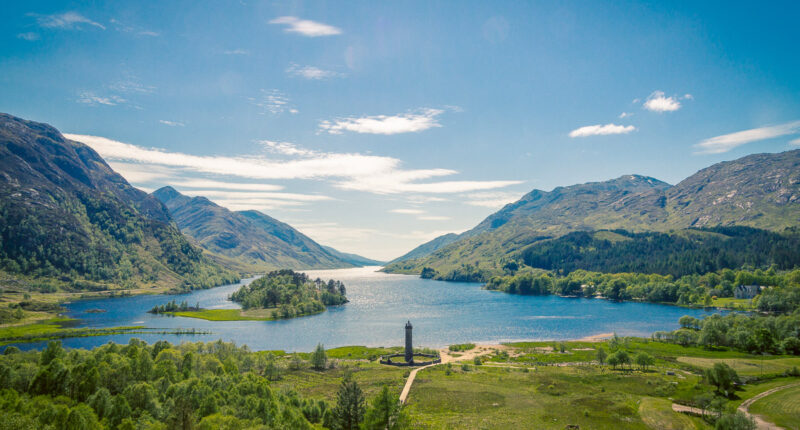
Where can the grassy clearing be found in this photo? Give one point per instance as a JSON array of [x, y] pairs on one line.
[[361, 352], [57, 328], [732, 303], [747, 366], [781, 408], [549, 397], [222, 315], [658, 414], [371, 377]]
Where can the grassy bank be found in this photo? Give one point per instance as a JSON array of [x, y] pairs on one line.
[[233, 314]]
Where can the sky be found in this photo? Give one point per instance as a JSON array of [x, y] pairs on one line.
[[375, 126]]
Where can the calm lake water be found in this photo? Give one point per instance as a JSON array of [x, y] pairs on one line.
[[442, 313]]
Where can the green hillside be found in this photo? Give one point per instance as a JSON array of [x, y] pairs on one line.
[[66, 216], [247, 239], [760, 191]]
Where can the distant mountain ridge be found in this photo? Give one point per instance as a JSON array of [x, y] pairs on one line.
[[760, 190], [249, 239], [65, 213]]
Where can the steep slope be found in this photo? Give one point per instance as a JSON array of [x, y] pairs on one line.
[[761, 191], [65, 213], [248, 237]]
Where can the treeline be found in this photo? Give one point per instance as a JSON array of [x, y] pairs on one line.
[[755, 334], [292, 293], [686, 252], [90, 241], [163, 386], [686, 290], [173, 307]]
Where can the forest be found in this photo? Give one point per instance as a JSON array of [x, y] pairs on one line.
[[291, 293], [160, 386], [679, 253]]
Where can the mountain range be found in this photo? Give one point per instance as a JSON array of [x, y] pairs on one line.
[[760, 190], [250, 240], [65, 213]]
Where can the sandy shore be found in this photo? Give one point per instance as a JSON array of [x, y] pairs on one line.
[[596, 337]]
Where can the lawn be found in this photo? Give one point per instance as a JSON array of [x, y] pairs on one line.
[[223, 315], [732, 303], [658, 414], [549, 397], [781, 408], [371, 377], [746, 366]]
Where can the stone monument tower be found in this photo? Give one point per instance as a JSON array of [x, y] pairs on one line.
[[409, 348]]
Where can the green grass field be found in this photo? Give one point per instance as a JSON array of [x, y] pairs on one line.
[[746, 366], [548, 397], [732, 303], [781, 408], [221, 315], [658, 414]]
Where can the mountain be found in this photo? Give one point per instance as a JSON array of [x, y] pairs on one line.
[[761, 191], [428, 247], [65, 213], [353, 259], [247, 240]]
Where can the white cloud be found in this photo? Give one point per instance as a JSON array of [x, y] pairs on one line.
[[433, 218], [726, 142], [139, 173], [306, 27], [658, 102], [237, 51], [599, 130], [494, 200], [287, 148], [149, 33], [171, 123], [273, 102], [408, 211], [66, 21], [795, 142], [625, 115], [383, 124], [92, 99], [222, 185], [310, 72], [29, 36], [350, 171]]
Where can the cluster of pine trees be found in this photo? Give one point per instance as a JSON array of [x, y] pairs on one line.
[[292, 293], [686, 252]]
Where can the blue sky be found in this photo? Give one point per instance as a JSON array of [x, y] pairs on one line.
[[375, 126]]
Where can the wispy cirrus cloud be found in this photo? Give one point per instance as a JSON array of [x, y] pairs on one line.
[[658, 102], [408, 211], [287, 148], [92, 99], [310, 72], [601, 130], [494, 200], [306, 27], [237, 51], [66, 21], [349, 171], [795, 142], [171, 123], [273, 102], [433, 218], [420, 120], [29, 36], [726, 142]]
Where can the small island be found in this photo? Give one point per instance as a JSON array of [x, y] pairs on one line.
[[279, 294]]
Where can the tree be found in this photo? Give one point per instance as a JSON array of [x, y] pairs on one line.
[[385, 412], [644, 360], [601, 355], [723, 377], [623, 357], [349, 410], [318, 358], [613, 360], [736, 421]]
